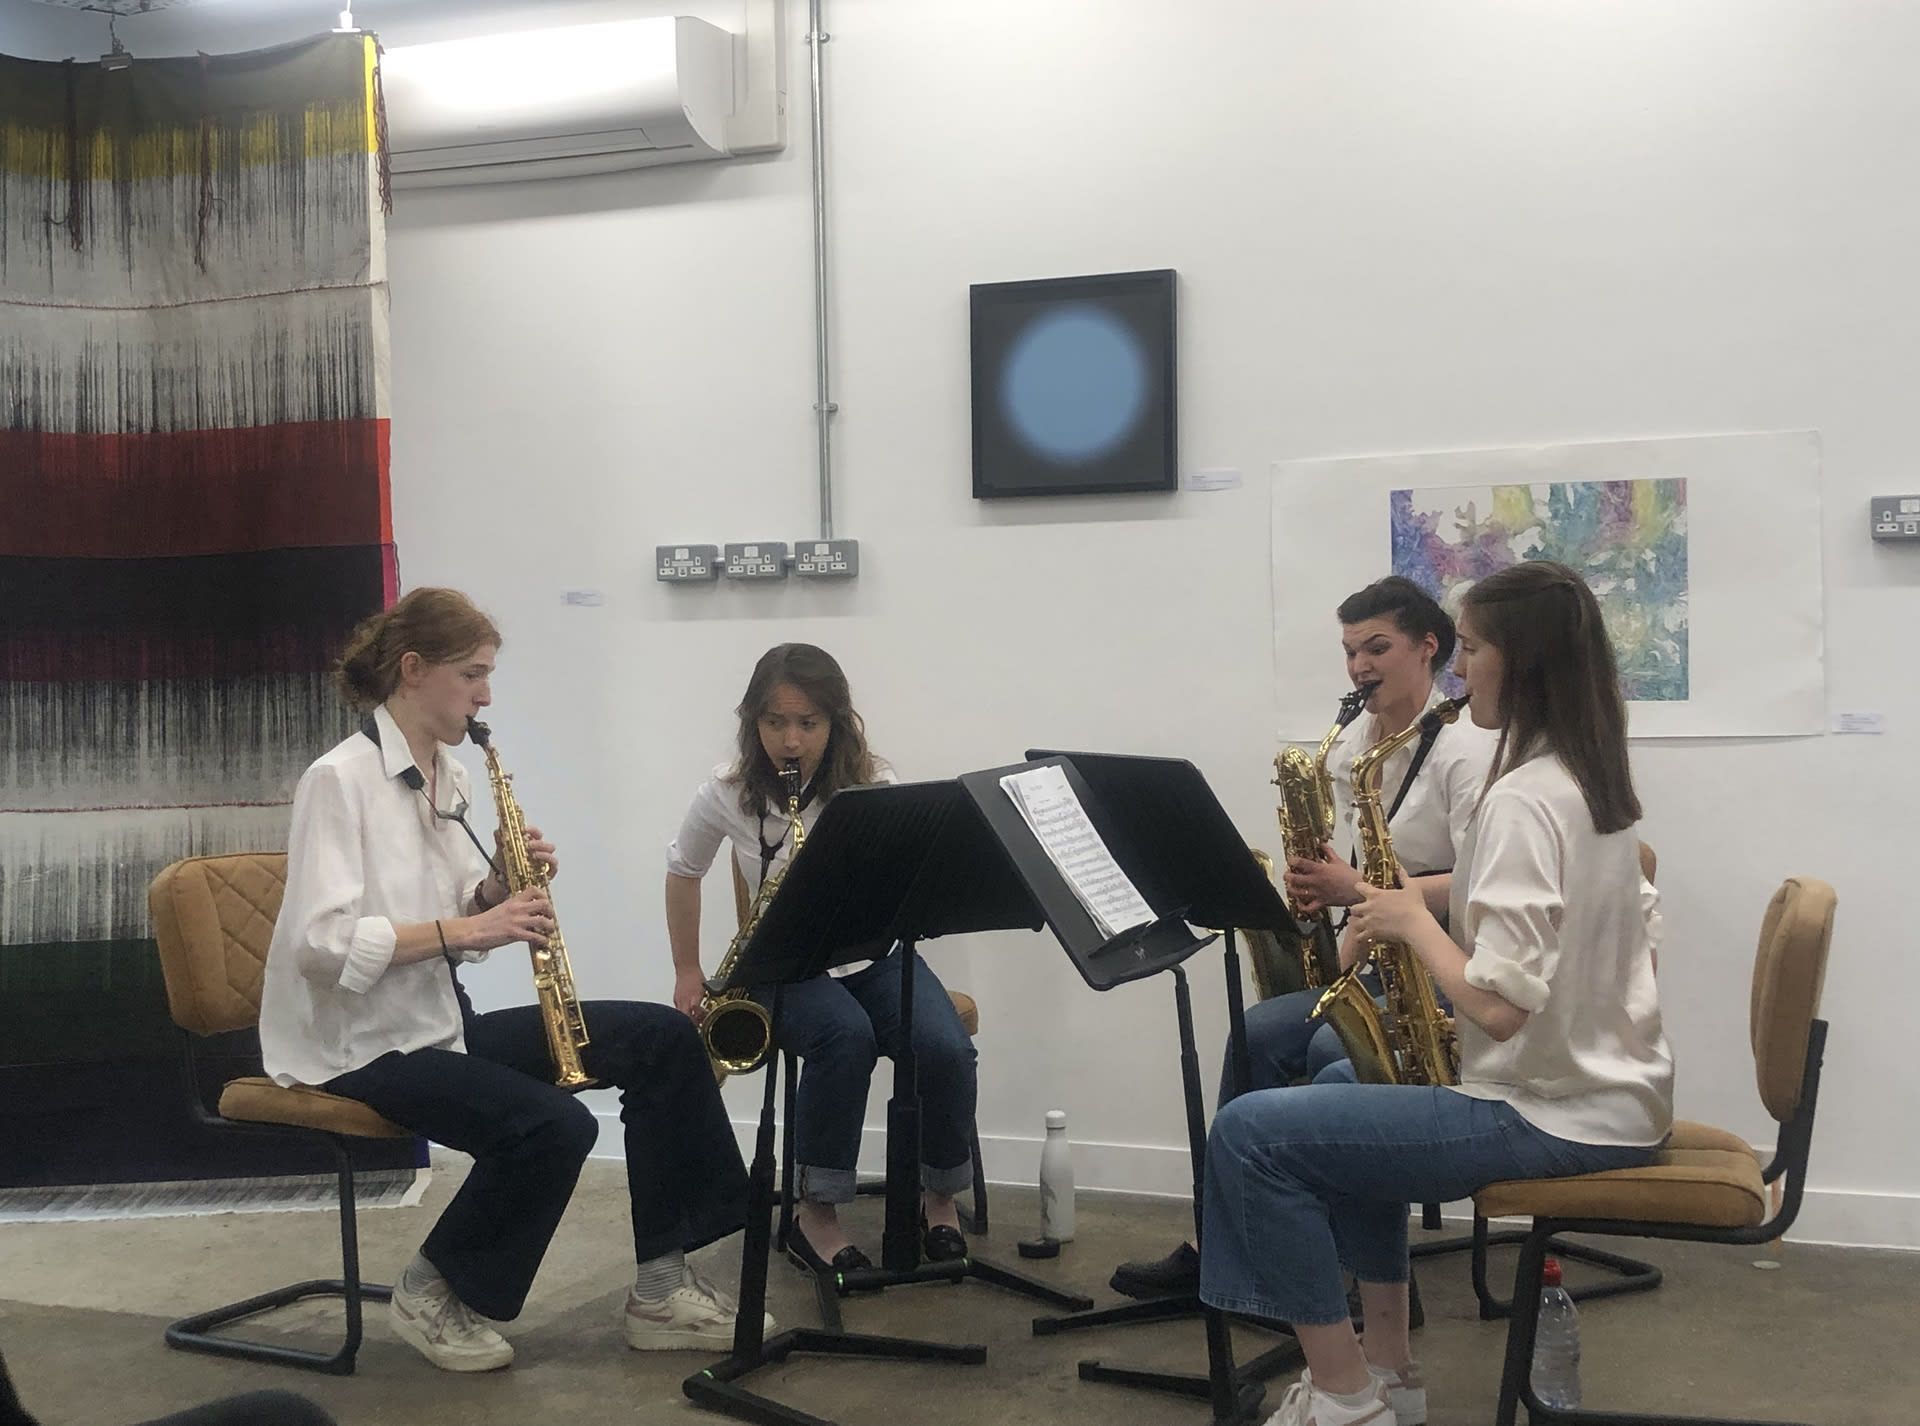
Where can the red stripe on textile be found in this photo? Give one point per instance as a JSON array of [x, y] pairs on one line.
[[139, 656], [305, 484]]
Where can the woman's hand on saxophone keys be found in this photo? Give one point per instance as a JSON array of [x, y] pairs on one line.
[[524, 916], [538, 848], [1312, 886], [1395, 914], [690, 993]]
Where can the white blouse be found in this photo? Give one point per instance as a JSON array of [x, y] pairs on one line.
[[366, 854], [1557, 919], [1431, 822], [716, 816]]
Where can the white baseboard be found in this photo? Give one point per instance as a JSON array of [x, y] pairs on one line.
[[1832, 1216]]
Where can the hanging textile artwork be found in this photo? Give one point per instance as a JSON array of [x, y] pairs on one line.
[[193, 515]]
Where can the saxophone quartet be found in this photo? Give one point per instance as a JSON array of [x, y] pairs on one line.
[[560, 1013]]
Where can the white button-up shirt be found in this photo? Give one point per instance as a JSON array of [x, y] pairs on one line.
[[1556, 918], [1432, 821], [366, 854]]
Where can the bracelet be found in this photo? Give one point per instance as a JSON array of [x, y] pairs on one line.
[[443, 939], [478, 899]]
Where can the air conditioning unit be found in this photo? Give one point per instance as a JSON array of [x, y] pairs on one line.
[[581, 99]]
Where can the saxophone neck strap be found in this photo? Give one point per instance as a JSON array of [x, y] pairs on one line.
[[770, 850], [413, 778], [1429, 732]]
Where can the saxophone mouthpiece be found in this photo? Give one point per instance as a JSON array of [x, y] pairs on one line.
[[479, 732]]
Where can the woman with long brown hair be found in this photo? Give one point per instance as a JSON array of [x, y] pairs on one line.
[[798, 707], [1547, 958]]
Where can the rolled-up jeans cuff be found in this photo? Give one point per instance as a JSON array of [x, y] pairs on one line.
[[947, 1181], [818, 1185]]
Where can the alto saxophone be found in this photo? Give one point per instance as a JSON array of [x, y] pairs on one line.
[[560, 1013], [1411, 1042], [737, 1030], [1312, 956]]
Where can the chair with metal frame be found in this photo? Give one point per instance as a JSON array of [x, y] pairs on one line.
[[213, 920], [1714, 1192]]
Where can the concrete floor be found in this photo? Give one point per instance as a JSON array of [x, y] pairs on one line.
[[1828, 1338]]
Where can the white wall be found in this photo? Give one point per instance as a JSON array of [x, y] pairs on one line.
[[1399, 227]]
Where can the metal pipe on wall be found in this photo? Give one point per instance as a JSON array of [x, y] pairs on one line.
[[823, 404]]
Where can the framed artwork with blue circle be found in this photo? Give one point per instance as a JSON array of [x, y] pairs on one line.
[[1073, 385]]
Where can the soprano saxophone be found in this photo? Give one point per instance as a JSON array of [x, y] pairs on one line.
[[736, 1029], [560, 1013], [1411, 1042]]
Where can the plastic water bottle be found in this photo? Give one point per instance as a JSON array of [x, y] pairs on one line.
[[1556, 1347], [1056, 1181]]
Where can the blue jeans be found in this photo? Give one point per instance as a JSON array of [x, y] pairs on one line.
[[839, 1029], [1301, 1182], [1283, 1045]]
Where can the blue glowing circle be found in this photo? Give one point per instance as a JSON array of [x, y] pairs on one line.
[[1074, 384]]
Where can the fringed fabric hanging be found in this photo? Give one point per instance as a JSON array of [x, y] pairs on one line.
[[193, 478]]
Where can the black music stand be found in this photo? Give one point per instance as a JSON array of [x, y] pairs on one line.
[[1176, 843], [883, 867]]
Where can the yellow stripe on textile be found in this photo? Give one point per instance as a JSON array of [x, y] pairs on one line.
[[320, 131]]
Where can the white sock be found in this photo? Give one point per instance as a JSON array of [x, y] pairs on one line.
[[420, 1277], [654, 1279], [1359, 1402]]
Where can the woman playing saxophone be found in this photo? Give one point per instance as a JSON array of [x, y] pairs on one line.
[[798, 707], [1547, 958], [386, 896]]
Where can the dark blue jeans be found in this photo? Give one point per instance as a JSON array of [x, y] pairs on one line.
[[839, 1028], [685, 1181]]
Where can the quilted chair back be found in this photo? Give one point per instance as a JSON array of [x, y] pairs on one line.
[[213, 918]]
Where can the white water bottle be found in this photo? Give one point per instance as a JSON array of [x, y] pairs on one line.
[[1056, 1181], [1556, 1347]]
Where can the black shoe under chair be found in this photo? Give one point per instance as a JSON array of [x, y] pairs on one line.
[[1175, 1275], [802, 1254], [942, 1242]]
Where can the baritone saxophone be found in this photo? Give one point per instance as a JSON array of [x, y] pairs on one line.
[[560, 1013]]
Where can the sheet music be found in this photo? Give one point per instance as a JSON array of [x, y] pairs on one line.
[[1047, 801]]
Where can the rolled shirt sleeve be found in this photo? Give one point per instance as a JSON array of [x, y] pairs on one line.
[[326, 885], [1514, 903]]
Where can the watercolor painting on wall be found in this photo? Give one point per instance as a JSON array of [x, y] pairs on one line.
[[1704, 552], [1628, 538]]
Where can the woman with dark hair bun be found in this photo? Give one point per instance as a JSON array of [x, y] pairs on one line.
[[1547, 959], [798, 707], [1397, 639]]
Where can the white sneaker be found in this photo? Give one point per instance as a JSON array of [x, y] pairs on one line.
[[695, 1316], [446, 1331], [1406, 1391], [1306, 1405]]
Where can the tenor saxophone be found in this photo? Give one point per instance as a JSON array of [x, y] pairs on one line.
[[1308, 956], [560, 1013], [736, 1029], [1411, 1041]]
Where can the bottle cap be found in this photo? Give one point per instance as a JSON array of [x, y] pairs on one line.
[[1056, 1118], [1550, 1273]]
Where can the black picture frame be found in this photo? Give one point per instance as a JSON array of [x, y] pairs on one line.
[[1074, 385]]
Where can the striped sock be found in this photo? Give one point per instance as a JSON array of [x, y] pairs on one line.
[[654, 1279]]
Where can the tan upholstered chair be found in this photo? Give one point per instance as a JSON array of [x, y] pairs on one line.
[[969, 1012], [1707, 1185], [213, 918]]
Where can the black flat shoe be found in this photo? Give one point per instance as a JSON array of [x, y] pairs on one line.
[[1175, 1275], [942, 1243], [802, 1255]]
